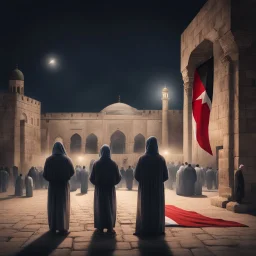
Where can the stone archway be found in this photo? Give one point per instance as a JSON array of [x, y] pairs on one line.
[[91, 144], [75, 144], [23, 121], [139, 143], [117, 142]]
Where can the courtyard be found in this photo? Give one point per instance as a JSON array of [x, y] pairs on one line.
[[24, 229]]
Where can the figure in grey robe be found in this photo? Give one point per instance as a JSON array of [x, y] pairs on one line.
[[129, 176], [90, 171], [29, 186], [239, 184], [73, 185], [84, 177], [15, 173], [209, 178], [4, 177], [199, 180], [151, 173], [217, 179], [121, 183], [179, 181], [33, 174], [189, 179], [105, 175], [58, 170], [19, 186]]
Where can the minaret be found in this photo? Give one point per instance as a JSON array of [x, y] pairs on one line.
[[165, 108], [16, 81]]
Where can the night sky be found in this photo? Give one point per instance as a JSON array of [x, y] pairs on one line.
[[104, 49]]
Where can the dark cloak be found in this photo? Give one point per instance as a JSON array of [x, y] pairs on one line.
[[105, 175], [19, 186], [15, 173], [29, 186], [239, 186], [189, 179], [151, 173], [129, 176], [209, 176], [4, 178], [84, 177], [58, 170]]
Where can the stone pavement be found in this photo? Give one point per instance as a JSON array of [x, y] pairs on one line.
[[23, 229]]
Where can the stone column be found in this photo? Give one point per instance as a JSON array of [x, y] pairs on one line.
[[165, 108], [187, 117]]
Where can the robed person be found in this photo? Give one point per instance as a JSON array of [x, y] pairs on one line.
[[209, 178], [199, 180], [129, 176], [151, 173], [217, 178], [122, 172], [33, 174], [179, 181], [189, 179], [84, 177], [29, 186], [19, 186], [58, 169], [239, 184], [4, 178], [105, 175], [73, 183], [15, 173]]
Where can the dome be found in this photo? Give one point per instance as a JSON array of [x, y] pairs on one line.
[[119, 109], [165, 90], [17, 75]]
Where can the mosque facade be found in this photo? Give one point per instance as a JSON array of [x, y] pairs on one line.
[[27, 135]]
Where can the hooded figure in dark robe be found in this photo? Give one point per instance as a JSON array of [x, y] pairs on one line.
[[129, 176], [189, 179], [209, 178], [84, 177], [58, 169], [90, 171], [105, 175], [239, 184], [29, 186], [151, 173], [179, 181], [4, 177], [19, 186], [15, 173]]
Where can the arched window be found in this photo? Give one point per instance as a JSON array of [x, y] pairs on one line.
[[139, 143], [91, 144], [75, 143], [117, 143]]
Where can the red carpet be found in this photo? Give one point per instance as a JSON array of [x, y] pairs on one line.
[[178, 217]]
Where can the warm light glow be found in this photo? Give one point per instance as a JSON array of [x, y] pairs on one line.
[[80, 158], [166, 152], [52, 62]]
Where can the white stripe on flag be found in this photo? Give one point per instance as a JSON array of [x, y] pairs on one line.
[[170, 222]]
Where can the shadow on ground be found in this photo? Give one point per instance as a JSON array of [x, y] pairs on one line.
[[44, 245]]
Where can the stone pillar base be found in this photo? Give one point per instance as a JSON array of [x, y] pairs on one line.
[[240, 208], [219, 201]]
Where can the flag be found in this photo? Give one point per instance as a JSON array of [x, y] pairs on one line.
[[202, 103]]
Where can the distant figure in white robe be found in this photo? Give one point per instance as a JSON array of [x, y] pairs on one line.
[[151, 173], [199, 180], [84, 178], [105, 175], [58, 170], [19, 186], [4, 178], [29, 186], [179, 181]]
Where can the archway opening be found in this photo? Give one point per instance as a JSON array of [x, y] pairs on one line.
[[91, 145], [75, 143], [117, 143], [139, 143], [23, 121]]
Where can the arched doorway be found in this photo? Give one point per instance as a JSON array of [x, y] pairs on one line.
[[23, 121], [139, 143], [75, 143], [117, 143], [91, 145]]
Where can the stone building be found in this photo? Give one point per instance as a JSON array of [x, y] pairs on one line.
[[27, 136], [224, 30]]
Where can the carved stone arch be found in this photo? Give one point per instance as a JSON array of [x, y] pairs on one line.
[[117, 142], [91, 144], [139, 143], [75, 143], [23, 117]]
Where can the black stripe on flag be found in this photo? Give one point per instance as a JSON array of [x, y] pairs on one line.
[[205, 72]]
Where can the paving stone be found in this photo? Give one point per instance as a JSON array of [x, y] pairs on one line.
[[7, 232], [67, 243], [19, 239], [201, 252], [22, 234], [80, 233], [220, 242], [203, 237], [4, 226], [130, 238], [181, 252], [191, 244], [61, 252]]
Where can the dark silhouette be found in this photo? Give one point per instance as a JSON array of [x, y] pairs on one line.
[[209, 178], [151, 173], [19, 186], [84, 177], [189, 179], [4, 180], [58, 170], [129, 176], [239, 184], [29, 186], [105, 175]]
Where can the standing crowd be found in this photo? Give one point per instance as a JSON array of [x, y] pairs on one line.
[[151, 173]]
